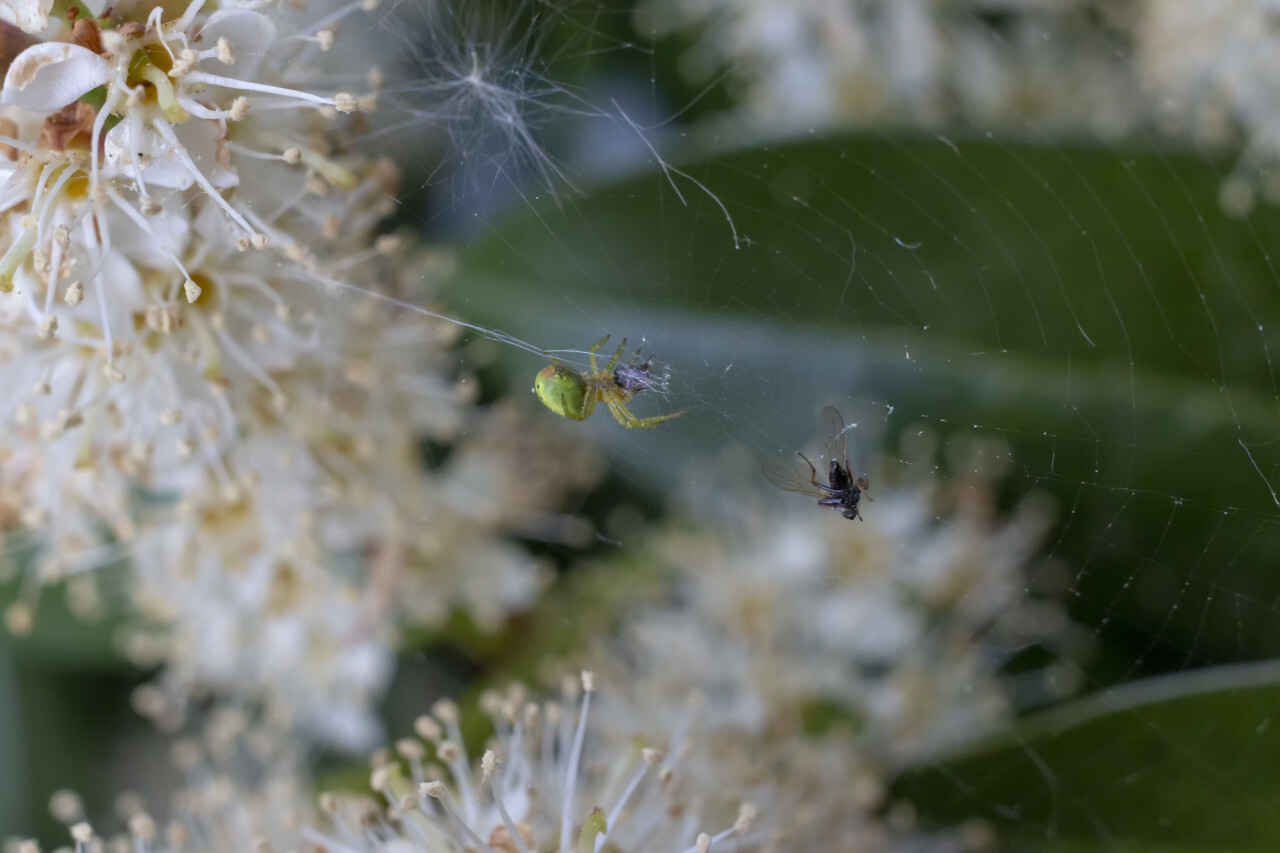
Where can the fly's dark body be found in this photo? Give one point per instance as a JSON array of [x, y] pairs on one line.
[[843, 489]]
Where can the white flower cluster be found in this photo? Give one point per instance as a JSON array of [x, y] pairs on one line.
[[832, 655], [546, 782], [1213, 71], [797, 64], [901, 624], [194, 381], [241, 785]]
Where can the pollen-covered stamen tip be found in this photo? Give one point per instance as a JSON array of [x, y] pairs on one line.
[[428, 729], [411, 749], [328, 803], [224, 52], [449, 752], [142, 827], [185, 63]]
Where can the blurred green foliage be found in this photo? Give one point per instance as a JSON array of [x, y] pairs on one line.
[[1183, 762]]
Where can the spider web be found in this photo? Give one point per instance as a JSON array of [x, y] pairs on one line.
[[1084, 310]]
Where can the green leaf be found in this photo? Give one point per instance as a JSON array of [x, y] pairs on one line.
[[1183, 762]]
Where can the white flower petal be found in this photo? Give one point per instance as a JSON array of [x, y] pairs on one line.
[[165, 167], [49, 76], [31, 15], [123, 285], [249, 34], [168, 235]]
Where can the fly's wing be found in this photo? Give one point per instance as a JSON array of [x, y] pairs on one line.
[[834, 437], [794, 474]]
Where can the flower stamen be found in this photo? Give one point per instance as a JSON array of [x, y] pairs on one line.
[[166, 132]]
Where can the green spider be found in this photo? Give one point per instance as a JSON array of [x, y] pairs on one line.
[[574, 395]]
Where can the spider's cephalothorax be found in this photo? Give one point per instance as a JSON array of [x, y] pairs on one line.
[[574, 394]]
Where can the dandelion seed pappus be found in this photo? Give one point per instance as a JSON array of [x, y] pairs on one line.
[[574, 394], [843, 490]]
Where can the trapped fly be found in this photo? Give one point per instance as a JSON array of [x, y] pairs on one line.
[[843, 489]]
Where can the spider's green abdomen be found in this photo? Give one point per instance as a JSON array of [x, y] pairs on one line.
[[561, 390]]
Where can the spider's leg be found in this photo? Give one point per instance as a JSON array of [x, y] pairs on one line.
[[623, 416], [613, 362], [620, 413], [646, 423], [589, 404], [591, 353]]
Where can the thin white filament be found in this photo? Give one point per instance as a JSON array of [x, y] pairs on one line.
[[142, 223], [55, 263], [250, 366], [245, 85], [324, 842], [461, 769], [489, 334], [99, 124], [616, 811], [571, 772], [502, 810], [451, 815], [103, 248]]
